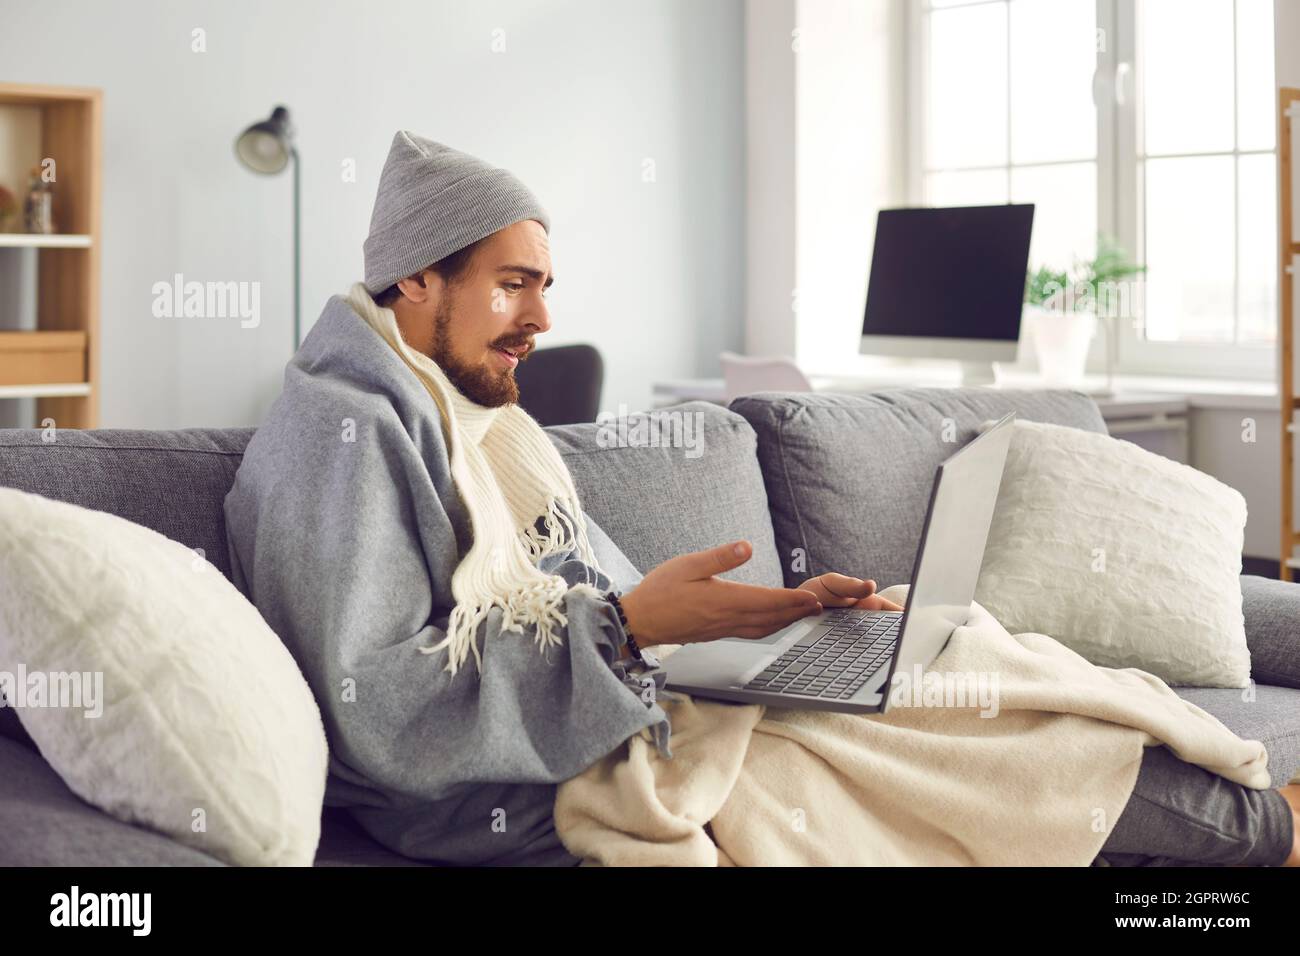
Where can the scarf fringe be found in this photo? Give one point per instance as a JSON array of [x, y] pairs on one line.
[[539, 604], [559, 533]]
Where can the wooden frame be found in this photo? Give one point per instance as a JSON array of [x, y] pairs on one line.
[[60, 359], [1288, 103]]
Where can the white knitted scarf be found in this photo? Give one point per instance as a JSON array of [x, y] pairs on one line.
[[509, 475]]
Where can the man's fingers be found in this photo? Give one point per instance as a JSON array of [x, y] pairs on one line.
[[763, 625], [876, 603], [777, 618], [711, 561], [839, 590], [781, 617], [844, 585], [738, 597]]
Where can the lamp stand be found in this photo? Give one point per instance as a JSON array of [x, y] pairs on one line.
[[297, 242]]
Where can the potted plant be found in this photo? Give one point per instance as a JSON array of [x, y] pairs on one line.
[[1062, 308]]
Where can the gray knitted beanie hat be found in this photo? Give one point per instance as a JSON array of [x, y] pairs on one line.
[[434, 200]]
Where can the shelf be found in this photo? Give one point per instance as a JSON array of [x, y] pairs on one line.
[[27, 240], [1289, 105], [71, 389], [56, 362]]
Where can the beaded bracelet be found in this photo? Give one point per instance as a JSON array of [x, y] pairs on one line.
[[612, 598]]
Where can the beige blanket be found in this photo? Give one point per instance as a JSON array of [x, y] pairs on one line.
[[1040, 783]]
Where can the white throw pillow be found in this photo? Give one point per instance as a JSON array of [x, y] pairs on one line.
[[1126, 557], [208, 731]]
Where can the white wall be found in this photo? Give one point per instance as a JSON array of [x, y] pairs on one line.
[[850, 83], [1286, 35], [826, 152], [649, 272], [770, 145]]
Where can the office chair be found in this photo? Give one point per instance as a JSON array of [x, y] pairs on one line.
[[744, 375], [561, 385]]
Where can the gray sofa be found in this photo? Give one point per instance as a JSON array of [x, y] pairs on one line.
[[816, 482]]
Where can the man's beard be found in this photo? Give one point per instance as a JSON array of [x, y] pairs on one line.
[[483, 386]]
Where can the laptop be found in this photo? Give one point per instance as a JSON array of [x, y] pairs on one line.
[[844, 658]]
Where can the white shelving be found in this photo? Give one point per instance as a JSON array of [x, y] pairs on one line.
[[44, 391], [54, 361], [26, 240]]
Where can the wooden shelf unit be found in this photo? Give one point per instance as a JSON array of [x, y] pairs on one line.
[[1288, 113], [58, 362]]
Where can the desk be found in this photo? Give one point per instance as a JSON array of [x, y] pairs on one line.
[[1198, 392], [1124, 403]]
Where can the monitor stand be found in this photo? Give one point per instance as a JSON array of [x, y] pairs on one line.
[[977, 373]]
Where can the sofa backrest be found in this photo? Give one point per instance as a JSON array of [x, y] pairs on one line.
[[654, 500], [815, 481], [656, 494], [845, 477], [171, 481], [674, 480], [849, 475]]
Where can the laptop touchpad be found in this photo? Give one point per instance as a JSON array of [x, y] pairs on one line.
[[788, 635]]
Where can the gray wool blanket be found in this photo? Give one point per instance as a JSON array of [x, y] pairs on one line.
[[344, 528]]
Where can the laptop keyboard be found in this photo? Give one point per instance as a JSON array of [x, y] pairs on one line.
[[836, 664]]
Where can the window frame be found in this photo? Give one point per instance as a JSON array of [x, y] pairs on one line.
[[1120, 201]]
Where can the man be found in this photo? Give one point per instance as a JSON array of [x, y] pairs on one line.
[[398, 501]]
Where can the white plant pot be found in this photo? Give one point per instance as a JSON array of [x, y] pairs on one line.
[[1061, 340]]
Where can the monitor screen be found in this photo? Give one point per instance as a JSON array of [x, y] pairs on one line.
[[956, 272]]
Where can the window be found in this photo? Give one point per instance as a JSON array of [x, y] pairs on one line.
[[1148, 120]]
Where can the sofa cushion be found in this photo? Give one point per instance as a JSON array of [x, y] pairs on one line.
[[46, 824], [618, 567], [174, 482], [175, 699], [1270, 715], [1124, 556], [848, 476], [657, 500], [1272, 612], [344, 843], [171, 481]]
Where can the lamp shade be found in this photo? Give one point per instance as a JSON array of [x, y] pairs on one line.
[[265, 147]]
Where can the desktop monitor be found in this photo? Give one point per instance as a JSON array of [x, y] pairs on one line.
[[949, 283]]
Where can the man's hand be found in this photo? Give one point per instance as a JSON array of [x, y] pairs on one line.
[[682, 602], [840, 590]]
